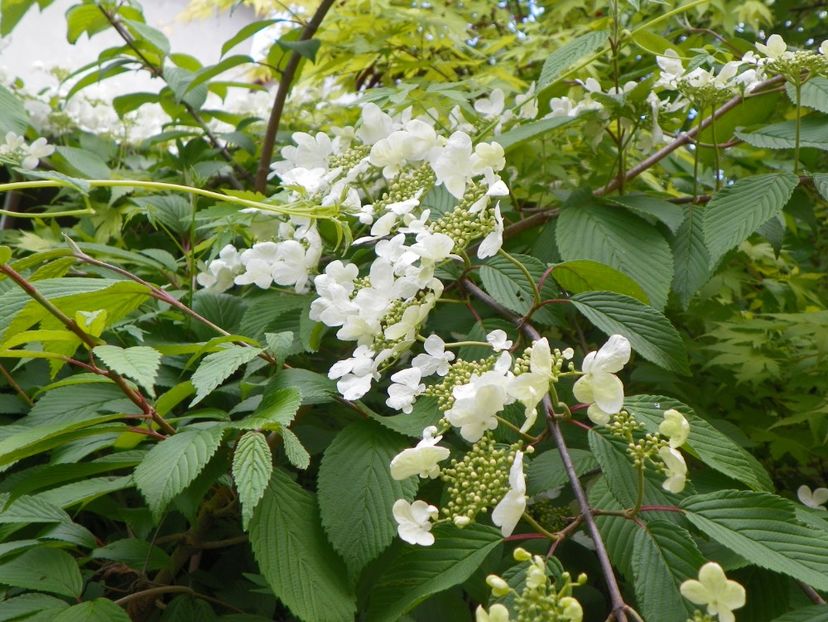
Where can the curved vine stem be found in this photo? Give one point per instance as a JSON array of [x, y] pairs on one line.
[[619, 607]]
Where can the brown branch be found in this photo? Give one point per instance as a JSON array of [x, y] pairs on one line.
[[157, 72], [684, 139], [134, 396], [281, 96], [811, 593], [13, 384], [619, 607]]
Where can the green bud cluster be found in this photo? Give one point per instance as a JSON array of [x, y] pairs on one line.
[[462, 226], [624, 425], [479, 480], [551, 517], [645, 449], [459, 373], [350, 158], [698, 616], [540, 600], [793, 66], [404, 186]]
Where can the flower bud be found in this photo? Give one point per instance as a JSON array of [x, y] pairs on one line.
[[571, 610], [521, 555], [461, 521], [498, 585]]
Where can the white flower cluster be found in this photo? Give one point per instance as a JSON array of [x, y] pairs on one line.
[[704, 84], [287, 262], [16, 150]]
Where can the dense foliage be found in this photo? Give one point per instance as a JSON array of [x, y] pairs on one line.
[[423, 311]]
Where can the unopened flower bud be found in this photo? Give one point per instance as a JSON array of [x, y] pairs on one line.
[[521, 555], [498, 585]]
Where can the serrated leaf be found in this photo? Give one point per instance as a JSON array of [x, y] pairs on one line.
[[252, 468], [23, 606], [652, 209], [814, 613], [567, 55], [29, 509], [135, 553], [412, 424], [294, 450], [294, 556], [527, 131], [763, 529], [81, 162], [547, 472], [650, 332], [246, 32], [314, 387], [813, 133], [84, 18], [217, 367], [737, 211], [813, 94], [275, 411], [712, 447], [418, 572], [13, 117], [692, 261], [356, 491], [140, 363], [611, 236], [44, 570], [171, 465], [583, 275], [510, 286], [664, 556], [98, 610], [279, 344]]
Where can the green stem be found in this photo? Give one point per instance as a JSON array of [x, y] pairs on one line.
[[798, 90], [291, 209], [696, 156], [716, 168], [639, 500], [516, 429], [537, 525], [522, 268]]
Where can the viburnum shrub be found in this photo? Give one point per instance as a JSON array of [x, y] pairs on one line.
[[417, 364]]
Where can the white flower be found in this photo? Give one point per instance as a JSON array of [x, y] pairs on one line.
[[815, 499], [414, 521], [404, 389], [774, 47], [492, 242], [420, 140], [496, 613], [355, 374], [389, 153], [38, 150], [529, 388], [671, 69], [491, 106], [452, 163], [823, 48], [507, 513], [599, 386], [436, 359], [310, 152], [221, 272], [715, 590], [676, 469], [421, 460], [376, 125], [293, 264], [527, 103], [477, 403], [568, 354], [497, 339], [674, 427], [488, 157], [433, 247]]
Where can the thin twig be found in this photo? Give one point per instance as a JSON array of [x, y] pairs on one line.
[[174, 589], [281, 96], [811, 593], [617, 600], [13, 384]]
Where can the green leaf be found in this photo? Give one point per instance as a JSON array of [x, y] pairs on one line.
[[211, 71], [583, 275], [567, 55], [279, 344], [821, 183], [151, 35], [217, 367], [171, 465], [85, 491], [135, 553], [276, 410], [294, 556], [305, 47], [98, 610], [294, 450], [43, 570], [252, 468], [547, 472], [128, 102], [611, 236], [763, 529], [664, 556], [425, 413], [246, 32], [140, 363], [813, 133], [11, 12], [652, 209], [418, 572], [13, 117], [705, 442], [738, 210], [692, 261], [26, 509], [649, 332], [314, 387], [84, 18], [88, 164], [527, 131], [814, 613], [356, 491], [813, 94], [511, 286], [23, 606]]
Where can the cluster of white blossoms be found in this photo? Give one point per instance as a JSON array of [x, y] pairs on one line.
[[15, 150]]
